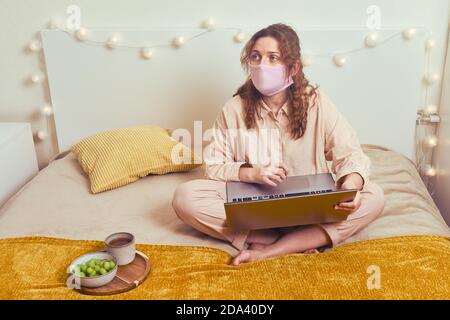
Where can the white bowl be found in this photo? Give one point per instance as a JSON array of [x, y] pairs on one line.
[[91, 282]]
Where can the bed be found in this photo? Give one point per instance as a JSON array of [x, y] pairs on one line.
[[58, 203]]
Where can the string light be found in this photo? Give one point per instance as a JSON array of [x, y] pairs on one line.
[[409, 33], [239, 37], [56, 23], [147, 53], [339, 60], [41, 135], [82, 34], [35, 45], [431, 141], [306, 60], [209, 24], [112, 41], [371, 40], [431, 78], [430, 171], [431, 109], [430, 112], [178, 42], [46, 110], [36, 78], [430, 43]]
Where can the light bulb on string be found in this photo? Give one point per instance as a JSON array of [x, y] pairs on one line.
[[209, 24], [35, 45], [112, 41], [430, 171], [46, 110], [178, 42], [431, 109], [146, 53], [339, 60], [56, 23], [431, 78], [430, 43], [409, 33], [81, 34], [306, 60], [239, 37], [371, 40], [431, 141], [41, 135], [36, 78]]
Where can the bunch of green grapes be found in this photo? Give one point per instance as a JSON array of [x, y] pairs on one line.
[[94, 267]]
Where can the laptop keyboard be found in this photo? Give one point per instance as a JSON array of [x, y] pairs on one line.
[[278, 196]]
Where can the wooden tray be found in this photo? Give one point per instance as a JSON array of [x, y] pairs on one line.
[[127, 278]]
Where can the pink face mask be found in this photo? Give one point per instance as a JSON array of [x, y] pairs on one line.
[[269, 80]]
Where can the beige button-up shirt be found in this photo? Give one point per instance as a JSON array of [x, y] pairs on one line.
[[329, 143]]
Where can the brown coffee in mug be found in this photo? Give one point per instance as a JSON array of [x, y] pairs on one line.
[[122, 246], [119, 242]]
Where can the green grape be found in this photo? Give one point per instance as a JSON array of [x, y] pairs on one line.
[[89, 270], [83, 268], [97, 268], [106, 265], [82, 274], [93, 274], [91, 263], [103, 271], [111, 265]]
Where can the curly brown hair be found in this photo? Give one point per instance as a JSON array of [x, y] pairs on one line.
[[300, 93]]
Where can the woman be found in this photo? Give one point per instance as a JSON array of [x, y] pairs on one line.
[[306, 131]]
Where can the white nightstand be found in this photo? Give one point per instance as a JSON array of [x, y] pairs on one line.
[[18, 162]]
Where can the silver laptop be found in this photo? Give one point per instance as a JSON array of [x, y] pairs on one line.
[[299, 200]]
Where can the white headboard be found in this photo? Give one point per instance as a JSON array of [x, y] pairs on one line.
[[92, 88]]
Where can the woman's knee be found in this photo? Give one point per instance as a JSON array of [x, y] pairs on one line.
[[183, 199], [376, 198], [374, 201]]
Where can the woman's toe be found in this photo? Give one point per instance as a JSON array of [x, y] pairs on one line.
[[242, 257], [311, 251]]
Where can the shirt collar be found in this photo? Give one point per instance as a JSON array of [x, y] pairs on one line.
[[264, 108]]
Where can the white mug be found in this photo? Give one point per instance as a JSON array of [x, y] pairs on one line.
[[122, 246]]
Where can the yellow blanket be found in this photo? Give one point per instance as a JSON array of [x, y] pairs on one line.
[[410, 267]]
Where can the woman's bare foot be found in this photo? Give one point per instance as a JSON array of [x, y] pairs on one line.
[[311, 251], [255, 252], [246, 256]]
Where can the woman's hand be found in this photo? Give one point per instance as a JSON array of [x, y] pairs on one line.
[[351, 181], [350, 206], [271, 175]]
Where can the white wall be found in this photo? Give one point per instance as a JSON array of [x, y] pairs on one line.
[[20, 20]]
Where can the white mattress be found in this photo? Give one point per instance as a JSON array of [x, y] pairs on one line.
[[58, 203]]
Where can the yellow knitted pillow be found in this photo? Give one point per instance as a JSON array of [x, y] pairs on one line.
[[120, 156]]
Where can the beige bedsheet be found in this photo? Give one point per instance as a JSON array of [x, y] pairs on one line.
[[57, 203]]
